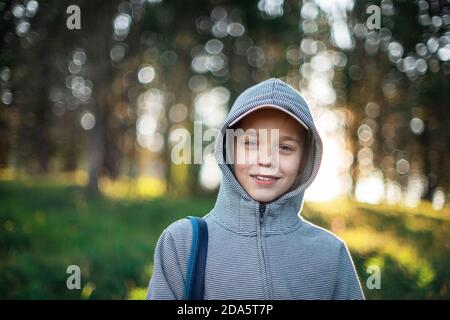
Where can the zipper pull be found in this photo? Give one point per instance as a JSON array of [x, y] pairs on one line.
[[262, 209]]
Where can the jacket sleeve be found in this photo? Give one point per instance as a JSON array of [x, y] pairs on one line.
[[347, 285], [167, 281]]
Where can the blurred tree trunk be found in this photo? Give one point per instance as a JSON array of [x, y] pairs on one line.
[[42, 144], [101, 75]]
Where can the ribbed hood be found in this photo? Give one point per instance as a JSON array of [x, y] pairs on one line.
[[234, 208]]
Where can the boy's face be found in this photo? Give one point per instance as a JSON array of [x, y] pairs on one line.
[[267, 156]]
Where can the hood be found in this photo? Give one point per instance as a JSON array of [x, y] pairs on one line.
[[234, 208]]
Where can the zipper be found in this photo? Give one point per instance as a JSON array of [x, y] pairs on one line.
[[262, 209], [260, 234]]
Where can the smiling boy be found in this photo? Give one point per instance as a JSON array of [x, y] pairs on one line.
[[259, 247], [268, 156]]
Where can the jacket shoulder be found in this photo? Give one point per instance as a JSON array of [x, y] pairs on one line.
[[180, 231], [179, 226], [323, 236]]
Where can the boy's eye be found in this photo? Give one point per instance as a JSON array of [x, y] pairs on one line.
[[250, 143], [285, 147]]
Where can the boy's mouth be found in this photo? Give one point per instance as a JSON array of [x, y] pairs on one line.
[[264, 179]]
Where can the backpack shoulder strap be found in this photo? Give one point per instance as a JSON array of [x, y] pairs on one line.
[[195, 276]]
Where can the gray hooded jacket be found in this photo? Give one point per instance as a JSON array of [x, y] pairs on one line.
[[256, 250]]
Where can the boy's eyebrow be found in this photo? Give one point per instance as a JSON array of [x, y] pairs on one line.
[[283, 137], [289, 138]]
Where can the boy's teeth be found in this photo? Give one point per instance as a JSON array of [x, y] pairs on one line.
[[263, 178]]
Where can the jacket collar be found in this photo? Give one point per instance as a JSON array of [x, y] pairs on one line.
[[242, 214]]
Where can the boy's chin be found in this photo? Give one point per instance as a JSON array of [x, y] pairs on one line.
[[264, 196]]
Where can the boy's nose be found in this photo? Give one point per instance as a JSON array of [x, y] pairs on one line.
[[266, 157], [264, 161]]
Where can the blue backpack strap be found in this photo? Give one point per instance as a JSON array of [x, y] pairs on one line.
[[195, 277]]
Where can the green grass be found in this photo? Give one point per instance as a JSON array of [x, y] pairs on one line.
[[46, 227]]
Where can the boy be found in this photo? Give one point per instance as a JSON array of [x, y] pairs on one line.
[[259, 247]]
